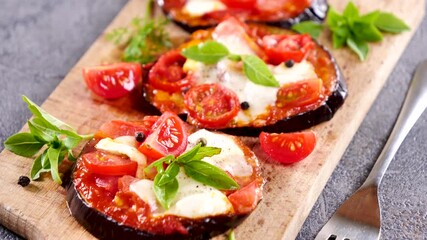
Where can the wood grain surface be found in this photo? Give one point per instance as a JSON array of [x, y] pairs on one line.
[[39, 211]]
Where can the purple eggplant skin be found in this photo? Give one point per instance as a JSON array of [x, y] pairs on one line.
[[104, 227], [317, 12]]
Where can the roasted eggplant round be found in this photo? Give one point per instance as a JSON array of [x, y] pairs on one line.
[[194, 15], [221, 96], [113, 199]]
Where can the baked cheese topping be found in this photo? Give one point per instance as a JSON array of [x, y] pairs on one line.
[[193, 199], [231, 159], [197, 8]]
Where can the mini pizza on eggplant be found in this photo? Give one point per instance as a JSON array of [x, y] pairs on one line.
[[201, 14], [244, 79], [156, 179]]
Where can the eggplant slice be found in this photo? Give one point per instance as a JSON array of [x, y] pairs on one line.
[[335, 95], [316, 12], [101, 214]]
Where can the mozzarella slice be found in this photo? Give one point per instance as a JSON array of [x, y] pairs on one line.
[[231, 159], [197, 8], [124, 146], [193, 199]]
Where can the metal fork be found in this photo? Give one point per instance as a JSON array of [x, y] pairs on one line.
[[359, 217]]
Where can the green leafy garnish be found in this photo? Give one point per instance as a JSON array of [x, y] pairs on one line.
[[166, 185], [355, 30], [145, 40], [211, 52], [45, 130]]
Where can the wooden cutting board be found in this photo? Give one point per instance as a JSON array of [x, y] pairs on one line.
[[39, 211]]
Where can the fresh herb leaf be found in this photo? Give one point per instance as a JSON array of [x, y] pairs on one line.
[[206, 152], [54, 123], [309, 27], [165, 193], [117, 35], [54, 158], [388, 22], [234, 57], [209, 52], [188, 156], [47, 130], [23, 144], [351, 13], [169, 174], [366, 32], [359, 47], [231, 235], [258, 72], [210, 175], [158, 164]]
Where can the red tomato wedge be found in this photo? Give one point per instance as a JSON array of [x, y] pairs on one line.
[[112, 81], [212, 104], [246, 199], [117, 128], [168, 136], [240, 4], [108, 183], [288, 147], [291, 7], [167, 74], [109, 164], [125, 181], [281, 48], [300, 94]]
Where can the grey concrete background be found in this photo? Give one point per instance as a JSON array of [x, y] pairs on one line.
[[41, 40]]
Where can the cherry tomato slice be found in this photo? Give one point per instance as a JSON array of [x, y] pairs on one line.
[[290, 7], [299, 94], [109, 164], [117, 128], [112, 81], [288, 147], [167, 74], [125, 181], [168, 136], [240, 4], [281, 48], [246, 199], [108, 183], [212, 104]]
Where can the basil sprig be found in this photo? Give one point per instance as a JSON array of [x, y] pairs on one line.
[[211, 52], [353, 29], [45, 130], [166, 185]]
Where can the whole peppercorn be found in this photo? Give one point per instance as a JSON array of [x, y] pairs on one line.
[[139, 136], [289, 63], [244, 105], [24, 181]]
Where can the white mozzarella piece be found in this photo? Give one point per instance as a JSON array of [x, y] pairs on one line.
[[193, 199], [197, 8], [231, 159], [124, 146]]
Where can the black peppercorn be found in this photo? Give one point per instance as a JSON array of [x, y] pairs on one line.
[[289, 63], [183, 116], [244, 105], [24, 181], [202, 141], [139, 136]]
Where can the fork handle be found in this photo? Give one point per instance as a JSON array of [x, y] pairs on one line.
[[413, 106]]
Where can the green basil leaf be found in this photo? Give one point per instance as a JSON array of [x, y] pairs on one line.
[[366, 32], [72, 139], [169, 174], [257, 71], [388, 22], [23, 144], [39, 166], [158, 164], [334, 19], [53, 155], [210, 175], [351, 12], [310, 27], [338, 41], [206, 152], [71, 156], [39, 112], [234, 57], [165, 193], [369, 18], [361, 48], [187, 156], [209, 52], [40, 131]]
